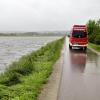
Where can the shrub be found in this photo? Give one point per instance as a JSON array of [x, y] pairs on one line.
[[97, 39], [10, 79], [94, 31], [23, 66]]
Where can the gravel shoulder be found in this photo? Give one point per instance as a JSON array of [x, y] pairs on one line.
[[50, 90]]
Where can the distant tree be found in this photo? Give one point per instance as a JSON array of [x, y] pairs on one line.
[[94, 31], [91, 26]]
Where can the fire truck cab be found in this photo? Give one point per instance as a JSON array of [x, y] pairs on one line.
[[78, 37]]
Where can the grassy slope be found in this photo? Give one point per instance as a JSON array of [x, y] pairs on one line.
[[94, 46], [24, 79]]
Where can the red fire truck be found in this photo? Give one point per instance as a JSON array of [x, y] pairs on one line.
[[78, 37]]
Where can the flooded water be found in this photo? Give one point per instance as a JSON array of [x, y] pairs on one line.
[[80, 76], [12, 48]]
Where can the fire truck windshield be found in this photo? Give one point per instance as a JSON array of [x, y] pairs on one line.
[[79, 34]]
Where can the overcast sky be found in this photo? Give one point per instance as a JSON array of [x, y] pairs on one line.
[[46, 15]]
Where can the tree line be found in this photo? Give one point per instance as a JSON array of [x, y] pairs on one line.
[[94, 31]]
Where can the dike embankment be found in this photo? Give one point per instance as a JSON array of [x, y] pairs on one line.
[[25, 78]]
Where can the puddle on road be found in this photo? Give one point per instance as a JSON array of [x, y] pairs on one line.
[[84, 62], [77, 61], [93, 63]]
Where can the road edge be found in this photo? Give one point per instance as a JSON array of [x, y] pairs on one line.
[[93, 50]]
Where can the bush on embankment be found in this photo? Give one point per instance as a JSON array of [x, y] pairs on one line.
[[23, 79], [94, 31]]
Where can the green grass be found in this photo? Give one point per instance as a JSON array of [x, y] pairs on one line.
[[94, 46], [23, 80]]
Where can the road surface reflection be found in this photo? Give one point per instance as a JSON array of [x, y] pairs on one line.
[[77, 60], [80, 76]]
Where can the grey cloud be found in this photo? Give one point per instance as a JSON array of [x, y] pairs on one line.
[[41, 15]]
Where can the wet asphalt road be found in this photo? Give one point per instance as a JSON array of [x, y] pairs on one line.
[[80, 76]]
